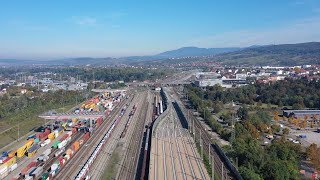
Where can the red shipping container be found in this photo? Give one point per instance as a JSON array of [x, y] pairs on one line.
[[6, 160], [47, 131], [29, 166], [60, 159], [39, 134], [87, 135], [74, 130], [64, 137]]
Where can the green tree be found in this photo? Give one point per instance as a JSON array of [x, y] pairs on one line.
[[243, 113]]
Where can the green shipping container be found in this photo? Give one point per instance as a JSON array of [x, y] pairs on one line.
[[45, 176], [55, 145]]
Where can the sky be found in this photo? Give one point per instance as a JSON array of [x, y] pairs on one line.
[[43, 29]]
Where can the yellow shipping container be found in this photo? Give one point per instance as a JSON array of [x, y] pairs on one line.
[[12, 153], [29, 143], [11, 161], [21, 153], [51, 136], [74, 120], [22, 149], [32, 153]]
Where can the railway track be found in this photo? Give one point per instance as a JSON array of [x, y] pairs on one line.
[[98, 167], [72, 168], [129, 166], [174, 156], [199, 132]]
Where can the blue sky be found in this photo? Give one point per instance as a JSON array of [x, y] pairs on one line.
[[43, 29]]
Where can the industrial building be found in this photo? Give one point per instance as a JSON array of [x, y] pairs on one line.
[[302, 113]]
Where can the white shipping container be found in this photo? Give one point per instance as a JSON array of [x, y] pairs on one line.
[[46, 142], [62, 144], [67, 156], [13, 167], [28, 178], [54, 167]]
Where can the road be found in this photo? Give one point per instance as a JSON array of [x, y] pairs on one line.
[[173, 152]]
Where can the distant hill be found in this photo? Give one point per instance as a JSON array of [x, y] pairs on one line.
[[195, 51], [283, 55]]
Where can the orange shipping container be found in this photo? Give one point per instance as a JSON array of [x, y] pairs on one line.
[[76, 145], [12, 153]]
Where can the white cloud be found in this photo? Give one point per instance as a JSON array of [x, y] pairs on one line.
[[86, 21], [305, 30]]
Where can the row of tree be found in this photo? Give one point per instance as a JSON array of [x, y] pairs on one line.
[[298, 93]]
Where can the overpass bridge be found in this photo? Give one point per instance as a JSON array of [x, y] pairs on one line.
[[85, 115]]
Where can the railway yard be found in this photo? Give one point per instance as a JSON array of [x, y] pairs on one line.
[[142, 129], [173, 152]]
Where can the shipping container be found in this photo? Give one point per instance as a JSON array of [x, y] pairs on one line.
[[55, 145], [51, 136], [29, 166], [12, 153], [45, 176], [76, 145], [32, 150], [43, 158], [64, 137], [62, 144], [10, 161], [13, 167], [37, 172], [55, 166], [87, 135], [32, 136], [31, 171], [29, 143], [46, 142], [28, 178]]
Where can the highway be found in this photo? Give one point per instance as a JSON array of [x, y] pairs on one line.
[[173, 152]]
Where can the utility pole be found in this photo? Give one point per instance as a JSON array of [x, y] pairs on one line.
[[209, 154], [222, 170], [201, 146], [18, 131], [212, 166]]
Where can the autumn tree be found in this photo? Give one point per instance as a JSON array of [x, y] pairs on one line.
[[285, 131], [276, 116], [313, 153], [304, 124]]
